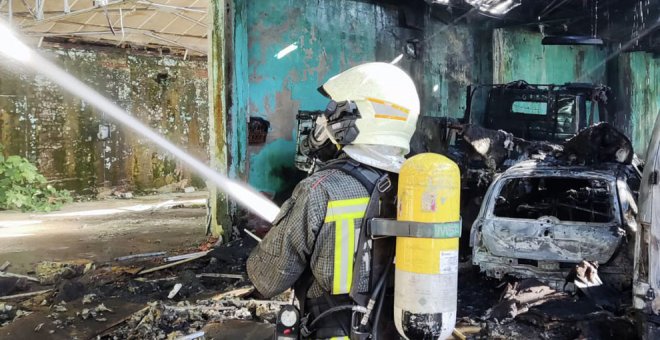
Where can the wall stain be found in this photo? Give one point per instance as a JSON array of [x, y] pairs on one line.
[[58, 132]]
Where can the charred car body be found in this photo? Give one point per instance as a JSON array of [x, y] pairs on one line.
[[566, 203], [533, 112], [539, 112], [540, 219], [554, 203], [546, 184]]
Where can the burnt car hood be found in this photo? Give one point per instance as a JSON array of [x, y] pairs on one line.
[[599, 143]]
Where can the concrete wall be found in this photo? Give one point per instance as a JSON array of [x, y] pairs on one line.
[[455, 56], [59, 132], [330, 36]]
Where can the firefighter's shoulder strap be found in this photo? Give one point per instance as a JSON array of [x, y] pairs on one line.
[[378, 184], [367, 176]]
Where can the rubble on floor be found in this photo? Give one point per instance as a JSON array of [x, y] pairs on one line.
[[80, 299], [530, 309], [214, 299], [161, 320], [50, 272]]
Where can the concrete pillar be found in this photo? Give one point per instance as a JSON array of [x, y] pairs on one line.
[[228, 103], [220, 213]]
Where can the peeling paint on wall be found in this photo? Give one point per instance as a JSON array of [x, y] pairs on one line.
[[60, 133], [519, 55], [449, 67], [293, 47]]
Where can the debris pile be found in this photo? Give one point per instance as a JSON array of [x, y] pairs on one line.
[[147, 297], [49, 272], [140, 296], [519, 297], [531, 309], [597, 144], [160, 320], [8, 313]]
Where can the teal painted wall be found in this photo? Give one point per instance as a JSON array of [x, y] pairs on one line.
[[329, 36], [642, 73], [518, 54], [238, 108]]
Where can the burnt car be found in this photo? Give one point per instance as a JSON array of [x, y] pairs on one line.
[[540, 219]]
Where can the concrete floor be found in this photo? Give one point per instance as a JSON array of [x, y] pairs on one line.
[[103, 230]]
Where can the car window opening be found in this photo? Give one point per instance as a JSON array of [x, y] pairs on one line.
[[568, 199]]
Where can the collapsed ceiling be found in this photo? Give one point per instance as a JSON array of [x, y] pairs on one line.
[[179, 25]]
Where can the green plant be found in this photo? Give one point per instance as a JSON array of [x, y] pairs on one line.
[[23, 187]]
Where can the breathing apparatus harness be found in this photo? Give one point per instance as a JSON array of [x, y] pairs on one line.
[[366, 306]]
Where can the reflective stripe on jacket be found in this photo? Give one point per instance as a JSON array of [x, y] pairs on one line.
[[317, 227]]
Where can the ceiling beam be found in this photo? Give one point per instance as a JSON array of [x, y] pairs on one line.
[[162, 37], [75, 13], [173, 8], [132, 29], [156, 36]]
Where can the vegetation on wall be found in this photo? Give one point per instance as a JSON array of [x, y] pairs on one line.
[[23, 187]]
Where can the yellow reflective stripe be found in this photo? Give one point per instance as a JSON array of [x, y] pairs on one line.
[[391, 117], [347, 203], [339, 338], [387, 110], [384, 102], [344, 213], [336, 279], [351, 253]]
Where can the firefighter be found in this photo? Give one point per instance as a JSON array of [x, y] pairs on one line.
[[318, 243]]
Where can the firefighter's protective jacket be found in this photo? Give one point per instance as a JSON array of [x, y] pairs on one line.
[[317, 227]]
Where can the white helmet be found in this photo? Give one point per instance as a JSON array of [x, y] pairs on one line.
[[373, 113]]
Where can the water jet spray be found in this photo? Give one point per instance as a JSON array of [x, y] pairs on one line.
[[13, 47]]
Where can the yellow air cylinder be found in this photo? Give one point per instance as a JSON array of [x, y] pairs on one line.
[[426, 269]]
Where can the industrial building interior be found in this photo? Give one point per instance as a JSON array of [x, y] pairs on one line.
[[149, 148]]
